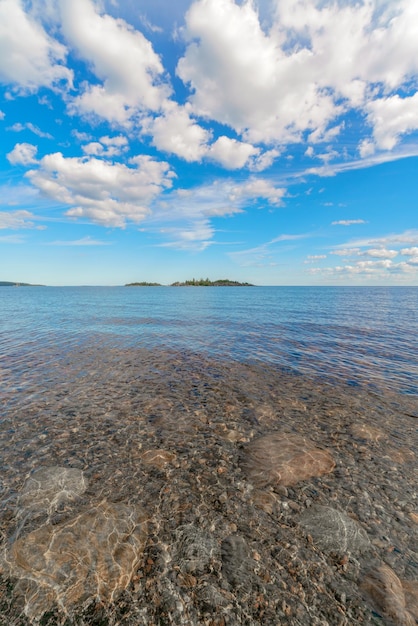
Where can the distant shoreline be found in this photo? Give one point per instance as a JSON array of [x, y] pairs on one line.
[[5, 283]]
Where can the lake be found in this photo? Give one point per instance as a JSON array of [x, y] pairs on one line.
[[208, 455]]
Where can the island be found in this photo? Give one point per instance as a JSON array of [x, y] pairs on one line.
[[201, 282], [205, 282], [143, 284]]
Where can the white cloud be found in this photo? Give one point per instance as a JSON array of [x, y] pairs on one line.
[[107, 146], [230, 153], [347, 222], [186, 213], [410, 251], [256, 189], [22, 154], [15, 220], [392, 117], [366, 148], [84, 241], [369, 269], [121, 57], [2, 115], [177, 133], [263, 253], [196, 237], [94, 148], [29, 58], [263, 160], [19, 127], [241, 77], [106, 193], [313, 258], [383, 253], [408, 237], [12, 239], [316, 61], [347, 252]]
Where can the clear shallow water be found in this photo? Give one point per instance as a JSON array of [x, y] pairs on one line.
[[136, 424], [359, 335]]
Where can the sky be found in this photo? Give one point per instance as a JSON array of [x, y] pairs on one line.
[[272, 141]]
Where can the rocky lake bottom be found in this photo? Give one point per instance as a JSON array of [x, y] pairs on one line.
[[159, 487]]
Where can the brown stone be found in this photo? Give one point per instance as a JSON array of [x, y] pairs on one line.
[[410, 588], [92, 556], [414, 517], [391, 597], [265, 500], [157, 458], [365, 431], [284, 459]]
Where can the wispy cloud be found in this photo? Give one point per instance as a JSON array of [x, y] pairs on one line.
[[84, 241], [12, 239], [408, 237], [264, 252], [19, 127], [348, 222]]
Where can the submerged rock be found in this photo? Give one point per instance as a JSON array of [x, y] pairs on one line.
[[193, 549], [284, 459], [92, 556], [49, 487], [334, 531], [237, 565], [393, 598], [158, 458]]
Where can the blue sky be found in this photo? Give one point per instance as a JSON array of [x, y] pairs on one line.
[[274, 142]]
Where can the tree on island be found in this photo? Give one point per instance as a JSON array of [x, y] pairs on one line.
[[205, 282], [143, 284]]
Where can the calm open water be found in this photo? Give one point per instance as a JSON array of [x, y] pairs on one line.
[[358, 335]]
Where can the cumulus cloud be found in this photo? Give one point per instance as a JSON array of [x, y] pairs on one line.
[[410, 251], [106, 193], [177, 133], [392, 117], [14, 220], [383, 253], [408, 237], [107, 146], [256, 189], [29, 57], [22, 154], [131, 72], [317, 60], [230, 153], [368, 269]]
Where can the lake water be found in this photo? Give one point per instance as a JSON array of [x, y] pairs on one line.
[[362, 335], [168, 455]]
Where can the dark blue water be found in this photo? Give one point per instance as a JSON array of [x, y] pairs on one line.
[[357, 335]]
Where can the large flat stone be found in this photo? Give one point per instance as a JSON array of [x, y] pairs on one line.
[[92, 556], [284, 459]]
